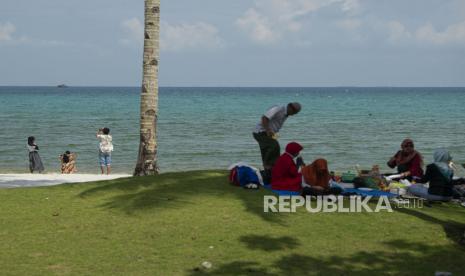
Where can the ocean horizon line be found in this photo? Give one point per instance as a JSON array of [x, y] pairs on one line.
[[183, 86]]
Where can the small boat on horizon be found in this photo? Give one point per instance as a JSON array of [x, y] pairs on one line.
[[62, 86]]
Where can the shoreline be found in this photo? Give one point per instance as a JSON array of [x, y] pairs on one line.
[[23, 180]]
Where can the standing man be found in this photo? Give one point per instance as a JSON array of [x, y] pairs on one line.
[[267, 129]]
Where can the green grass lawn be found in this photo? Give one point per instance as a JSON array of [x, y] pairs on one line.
[[170, 224]]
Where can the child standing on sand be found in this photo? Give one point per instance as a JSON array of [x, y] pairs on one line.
[[35, 163], [105, 149]]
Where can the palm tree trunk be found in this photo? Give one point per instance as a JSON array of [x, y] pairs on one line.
[[147, 159]]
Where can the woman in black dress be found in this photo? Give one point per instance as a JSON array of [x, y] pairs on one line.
[[35, 163]]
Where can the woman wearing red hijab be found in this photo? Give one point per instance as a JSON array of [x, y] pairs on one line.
[[285, 174], [407, 160]]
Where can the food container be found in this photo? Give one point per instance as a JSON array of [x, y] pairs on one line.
[[348, 177]]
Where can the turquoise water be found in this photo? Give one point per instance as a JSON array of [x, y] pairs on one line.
[[205, 128]]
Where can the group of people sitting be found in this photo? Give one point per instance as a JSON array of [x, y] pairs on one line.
[[288, 172], [439, 174], [291, 174]]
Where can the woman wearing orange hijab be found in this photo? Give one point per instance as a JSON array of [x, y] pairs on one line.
[[317, 178]]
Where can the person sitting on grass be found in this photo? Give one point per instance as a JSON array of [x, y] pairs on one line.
[[317, 180], [68, 162], [408, 161], [439, 175], [285, 175]]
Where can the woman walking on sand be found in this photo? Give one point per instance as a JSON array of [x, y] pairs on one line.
[[35, 163]]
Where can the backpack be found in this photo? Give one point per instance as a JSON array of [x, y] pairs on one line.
[[242, 175], [233, 177]]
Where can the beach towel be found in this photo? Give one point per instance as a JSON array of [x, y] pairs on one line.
[[373, 193], [281, 192]]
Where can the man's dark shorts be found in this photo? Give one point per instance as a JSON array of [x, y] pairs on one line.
[[269, 148]]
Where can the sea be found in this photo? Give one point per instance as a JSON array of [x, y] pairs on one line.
[[211, 127]]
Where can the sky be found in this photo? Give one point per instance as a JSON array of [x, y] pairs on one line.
[[305, 43]]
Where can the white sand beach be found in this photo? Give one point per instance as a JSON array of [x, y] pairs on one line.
[[34, 180]]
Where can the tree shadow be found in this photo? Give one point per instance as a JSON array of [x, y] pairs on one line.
[[454, 230], [267, 243], [175, 190], [401, 258], [27, 183], [234, 268]]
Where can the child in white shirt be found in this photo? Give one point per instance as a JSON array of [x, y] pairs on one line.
[[105, 149]]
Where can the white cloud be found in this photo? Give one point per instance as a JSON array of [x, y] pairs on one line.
[[9, 37], [351, 6], [198, 35], [173, 37], [453, 34], [6, 30], [397, 32], [54, 43], [270, 21], [288, 10], [258, 26], [349, 24], [133, 30]]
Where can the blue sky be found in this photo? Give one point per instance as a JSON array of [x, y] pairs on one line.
[[236, 43]]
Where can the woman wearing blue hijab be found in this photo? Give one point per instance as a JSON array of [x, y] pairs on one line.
[[439, 175]]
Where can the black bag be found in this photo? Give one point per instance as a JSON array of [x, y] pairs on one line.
[[359, 183], [459, 191], [365, 182]]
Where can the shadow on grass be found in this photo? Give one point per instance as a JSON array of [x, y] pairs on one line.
[[268, 243], [235, 268], [175, 190], [400, 257], [453, 229]]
